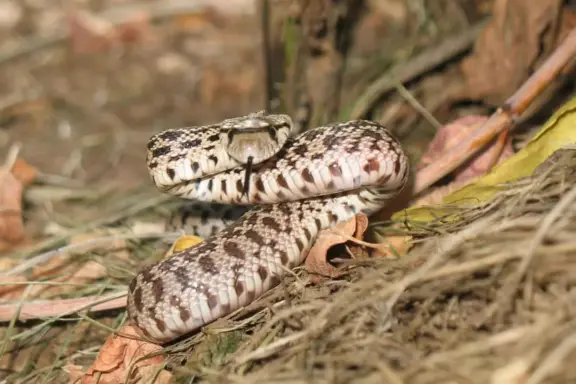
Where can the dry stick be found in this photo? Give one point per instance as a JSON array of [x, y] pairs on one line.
[[266, 53], [502, 119], [62, 307]]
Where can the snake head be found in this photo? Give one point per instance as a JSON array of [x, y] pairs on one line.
[[256, 137]]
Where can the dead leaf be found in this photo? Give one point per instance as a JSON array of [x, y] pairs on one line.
[[393, 247], [451, 135], [123, 355], [520, 34], [11, 224], [24, 172], [318, 261], [182, 243]]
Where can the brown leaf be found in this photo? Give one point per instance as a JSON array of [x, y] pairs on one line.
[[449, 136], [121, 356], [11, 224], [24, 172], [521, 33], [393, 247], [318, 261]]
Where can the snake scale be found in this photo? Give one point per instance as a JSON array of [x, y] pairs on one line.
[[299, 186]]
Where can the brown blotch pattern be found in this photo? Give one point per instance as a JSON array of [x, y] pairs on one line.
[[262, 272], [132, 285], [138, 299], [160, 324], [299, 244], [234, 250], [212, 300], [239, 288], [254, 236], [307, 176], [207, 265], [281, 181], [260, 186], [157, 289], [397, 164], [270, 222], [283, 257], [335, 169], [372, 166]]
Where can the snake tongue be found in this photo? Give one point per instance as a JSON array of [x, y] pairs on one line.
[[247, 174]]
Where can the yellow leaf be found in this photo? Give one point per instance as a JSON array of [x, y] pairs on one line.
[[558, 132], [182, 243]]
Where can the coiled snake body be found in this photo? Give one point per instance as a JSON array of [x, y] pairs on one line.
[[301, 186]]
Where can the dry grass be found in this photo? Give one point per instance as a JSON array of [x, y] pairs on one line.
[[491, 300]]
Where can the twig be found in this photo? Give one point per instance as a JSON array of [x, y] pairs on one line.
[[57, 308], [502, 119], [12, 156], [417, 106], [266, 53]]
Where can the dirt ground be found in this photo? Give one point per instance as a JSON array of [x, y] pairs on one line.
[[80, 104]]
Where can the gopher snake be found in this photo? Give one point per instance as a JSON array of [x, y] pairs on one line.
[[301, 185]]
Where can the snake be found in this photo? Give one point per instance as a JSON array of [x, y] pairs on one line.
[[293, 186]]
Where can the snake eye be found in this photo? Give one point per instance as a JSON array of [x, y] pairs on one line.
[[272, 132]]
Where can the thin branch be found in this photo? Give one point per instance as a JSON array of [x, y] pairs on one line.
[[502, 119], [58, 308]]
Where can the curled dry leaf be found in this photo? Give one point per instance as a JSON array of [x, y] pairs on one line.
[[451, 135], [123, 356], [318, 259]]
